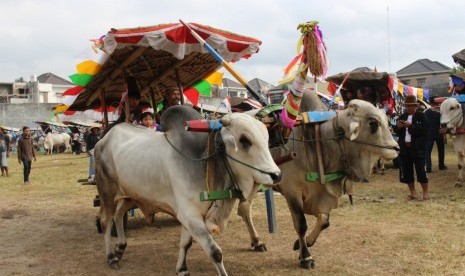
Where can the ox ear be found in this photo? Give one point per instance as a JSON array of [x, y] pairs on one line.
[[228, 138], [354, 130]]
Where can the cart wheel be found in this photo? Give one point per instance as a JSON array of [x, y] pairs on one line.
[[125, 225]]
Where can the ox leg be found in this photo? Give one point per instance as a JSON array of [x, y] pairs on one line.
[[122, 207], [300, 226], [244, 210], [107, 224], [197, 228], [460, 168], [322, 222], [184, 245]]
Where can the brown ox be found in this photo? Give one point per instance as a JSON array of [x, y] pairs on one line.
[[366, 138]]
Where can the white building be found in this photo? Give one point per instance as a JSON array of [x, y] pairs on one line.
[[46, 88]]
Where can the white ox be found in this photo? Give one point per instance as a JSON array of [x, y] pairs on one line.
[[161, 172], [452, 119], [55, 140], [366, 138]]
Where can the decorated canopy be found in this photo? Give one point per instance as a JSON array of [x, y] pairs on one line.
[[359, 78], [158, 57], [460, 57]]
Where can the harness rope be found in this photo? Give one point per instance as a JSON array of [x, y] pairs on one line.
[[460, 114], [219, 148]]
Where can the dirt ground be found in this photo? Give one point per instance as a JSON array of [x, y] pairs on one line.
[[48, 228]]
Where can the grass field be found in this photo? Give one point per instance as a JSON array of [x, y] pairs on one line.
[[48, 228]]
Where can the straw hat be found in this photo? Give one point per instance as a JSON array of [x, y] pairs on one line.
[[95, 125], [410, 100]]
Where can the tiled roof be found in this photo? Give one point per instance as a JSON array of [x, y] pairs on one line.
[[53, 79], [422, 66], [257, 84], [231, 84]]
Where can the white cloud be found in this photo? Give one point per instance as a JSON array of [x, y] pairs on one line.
[[45, 36]]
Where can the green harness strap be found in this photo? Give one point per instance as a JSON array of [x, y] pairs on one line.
[[267, 110], [314, 176]]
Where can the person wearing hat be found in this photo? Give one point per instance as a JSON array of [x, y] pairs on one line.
[[91, 139], [458, 83], [433, 118], [172, 97], [411, 128]]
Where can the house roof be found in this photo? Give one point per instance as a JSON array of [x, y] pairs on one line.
[[259, 85], [422, 66], [53, 79], [231, 84]]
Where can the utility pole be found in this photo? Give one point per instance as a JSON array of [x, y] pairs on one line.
[[389, 37]]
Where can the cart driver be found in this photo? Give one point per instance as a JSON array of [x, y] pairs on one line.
[[172, 97]]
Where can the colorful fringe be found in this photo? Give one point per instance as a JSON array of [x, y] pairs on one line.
[[312, 59]]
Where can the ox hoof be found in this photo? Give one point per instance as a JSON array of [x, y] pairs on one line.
[[114, 265], [307, 264], [259, 247], [183, 273], [113, 261], [458, 185]]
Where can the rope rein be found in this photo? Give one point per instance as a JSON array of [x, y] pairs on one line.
[[205, 158], [219, 148], [340, 134]]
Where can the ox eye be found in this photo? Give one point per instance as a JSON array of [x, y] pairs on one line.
[[373, 127], [245, 142], [452, 108]]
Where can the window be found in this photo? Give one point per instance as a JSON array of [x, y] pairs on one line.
[[420, 82]]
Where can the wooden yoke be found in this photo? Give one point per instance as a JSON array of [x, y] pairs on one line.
[[316, 118], [210, 162], [319, 154]]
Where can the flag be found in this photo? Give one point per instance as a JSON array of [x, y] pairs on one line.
[[332, 88], [291, 69], [203, 86]]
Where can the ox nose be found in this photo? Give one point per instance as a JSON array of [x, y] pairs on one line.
[[276, 177], [443, 125], [397, 149]]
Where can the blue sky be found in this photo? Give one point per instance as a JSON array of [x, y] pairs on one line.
[[46, 36]]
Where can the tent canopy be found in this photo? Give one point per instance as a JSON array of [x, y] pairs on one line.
[[459, 58], [159, 57], [362, 77]]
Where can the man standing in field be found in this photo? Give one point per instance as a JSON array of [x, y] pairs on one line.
[[26, 152]]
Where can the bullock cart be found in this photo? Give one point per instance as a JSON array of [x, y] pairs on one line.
[[158, 57]]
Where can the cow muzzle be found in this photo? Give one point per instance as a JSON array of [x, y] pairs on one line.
[[276, 177]]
